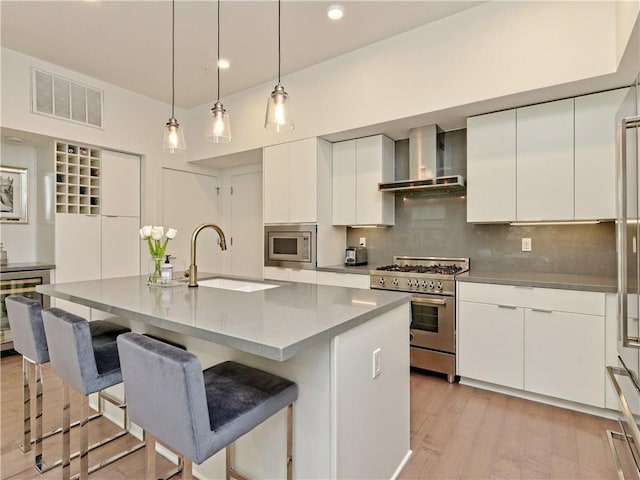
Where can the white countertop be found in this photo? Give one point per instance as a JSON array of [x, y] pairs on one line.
[[276, 323]]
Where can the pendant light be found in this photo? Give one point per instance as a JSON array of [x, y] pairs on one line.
[[218, 125], [173, 137], [278, 117]]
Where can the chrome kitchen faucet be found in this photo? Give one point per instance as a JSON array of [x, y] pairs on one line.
[[193, 268]]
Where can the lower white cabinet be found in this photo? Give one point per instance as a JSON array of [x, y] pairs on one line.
[[78, 240], [289, 274], [564, 355], [545, 341], [490, 343], [336, 279]]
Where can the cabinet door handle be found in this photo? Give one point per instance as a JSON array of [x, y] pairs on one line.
[[541, 310], [510, 307]]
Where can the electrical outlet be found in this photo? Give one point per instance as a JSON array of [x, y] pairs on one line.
[[377, 353], [363, 242], [526, 244]]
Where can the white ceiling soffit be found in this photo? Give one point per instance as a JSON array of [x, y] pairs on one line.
[[128, 43]]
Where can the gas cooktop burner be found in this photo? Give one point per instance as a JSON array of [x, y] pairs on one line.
[[437, 269]]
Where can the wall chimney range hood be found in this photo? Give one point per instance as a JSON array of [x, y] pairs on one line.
[[426, 161]]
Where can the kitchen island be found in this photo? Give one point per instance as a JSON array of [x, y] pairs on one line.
[[348, 421]]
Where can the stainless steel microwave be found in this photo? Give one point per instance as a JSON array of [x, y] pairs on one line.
[[290, 246]]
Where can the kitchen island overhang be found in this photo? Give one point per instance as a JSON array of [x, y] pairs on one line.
[[348, 422]]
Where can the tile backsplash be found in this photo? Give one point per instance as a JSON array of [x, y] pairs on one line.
[[437, 226]]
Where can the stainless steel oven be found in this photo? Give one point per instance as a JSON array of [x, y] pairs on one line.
[[432, 333], [431, 281], [290, 245]]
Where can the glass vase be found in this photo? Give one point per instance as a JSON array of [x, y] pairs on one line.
[[155, 269]]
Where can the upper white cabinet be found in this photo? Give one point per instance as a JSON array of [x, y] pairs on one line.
[[297, 179], [596, 117], [358, 166], [120, 184], [552, 161], [544, 159], [491, 168]]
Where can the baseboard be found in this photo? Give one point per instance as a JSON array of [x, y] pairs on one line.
[[402, 465], [536, 397]]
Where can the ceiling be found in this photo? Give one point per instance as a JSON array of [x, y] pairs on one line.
[[128, 43]]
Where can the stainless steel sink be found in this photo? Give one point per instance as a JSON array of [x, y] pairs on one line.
[[236, 285]]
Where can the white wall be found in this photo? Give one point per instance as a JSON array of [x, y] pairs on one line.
[[132, 123], [20, 239], [626, 17], [490, 51]]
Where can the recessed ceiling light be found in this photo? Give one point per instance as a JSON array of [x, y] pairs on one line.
[[223, 63], [16, 140], [335, 12]]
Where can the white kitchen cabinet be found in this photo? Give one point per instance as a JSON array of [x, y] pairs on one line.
[[276, 184], [289, 274], [557, 348], [491, 167], [490, 343], [564, 355], [120, 195], [595, 153], [293, 181], [121, 245], [352, 280], [545, 174], [78, 243], [358, 166]]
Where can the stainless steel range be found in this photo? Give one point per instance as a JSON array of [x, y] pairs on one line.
[[431, 280]]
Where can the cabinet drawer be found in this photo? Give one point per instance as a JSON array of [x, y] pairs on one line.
[[343, 279], [508, 295], [574, 301]]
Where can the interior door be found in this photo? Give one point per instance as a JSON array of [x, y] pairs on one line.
[[246, 225], [191, 199]]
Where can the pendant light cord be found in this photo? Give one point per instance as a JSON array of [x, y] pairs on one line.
[[218, 61], [173, 59], [278, 42]]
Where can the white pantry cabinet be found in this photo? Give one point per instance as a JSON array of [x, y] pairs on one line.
[[89, 247], [544, 139], [120, 194], [297, 178], [491, 167], [545, 341], [358, 166]]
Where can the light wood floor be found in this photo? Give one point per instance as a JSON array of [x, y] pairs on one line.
[[456, 432]]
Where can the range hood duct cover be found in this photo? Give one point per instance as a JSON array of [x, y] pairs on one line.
[[426, 165]]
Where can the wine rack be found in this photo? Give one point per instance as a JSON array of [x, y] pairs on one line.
[[77, 179]]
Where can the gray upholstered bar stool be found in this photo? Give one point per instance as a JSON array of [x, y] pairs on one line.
[[29, 339], [198, 413], [90, 365]]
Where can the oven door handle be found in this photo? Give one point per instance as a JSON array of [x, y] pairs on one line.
[[434, 301]]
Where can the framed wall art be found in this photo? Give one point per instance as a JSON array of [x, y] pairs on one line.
[[14, 193]]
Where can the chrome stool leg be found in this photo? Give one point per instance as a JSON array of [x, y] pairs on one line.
[[25, 446], [66, 432], [290, 442], [40, 466]]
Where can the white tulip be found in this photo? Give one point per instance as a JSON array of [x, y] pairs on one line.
[[171, 233], [145, 232], [157, 232]]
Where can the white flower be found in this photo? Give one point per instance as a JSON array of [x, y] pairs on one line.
[[157, 232], [171, 233], [145, 232]]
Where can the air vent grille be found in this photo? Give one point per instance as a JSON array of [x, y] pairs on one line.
[[62, 98]]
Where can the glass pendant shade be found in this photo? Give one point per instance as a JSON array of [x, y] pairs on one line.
[[278, 118], [218, 125], [173, 138]]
